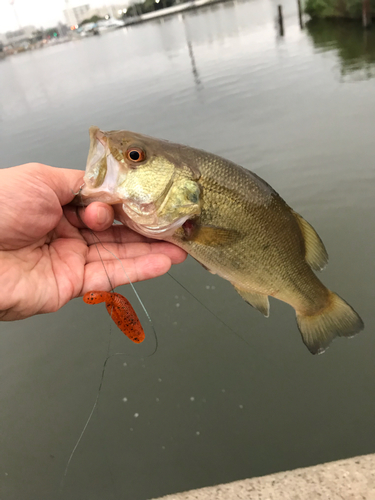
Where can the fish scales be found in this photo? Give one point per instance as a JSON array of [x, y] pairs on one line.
[[227, 218], [240, 199]]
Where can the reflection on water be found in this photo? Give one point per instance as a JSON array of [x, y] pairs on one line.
[[354, 46], [194, 66]]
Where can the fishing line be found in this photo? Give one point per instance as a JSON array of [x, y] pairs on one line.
[[136, 293], [127, 277], [209, 310], [266, 355], [138, 297], [109, 356], [109, 344], [89, 417], [123, 268], [99, 388]]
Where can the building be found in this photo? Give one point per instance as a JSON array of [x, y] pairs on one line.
[[109, 10], [75, 15], [19, 36]]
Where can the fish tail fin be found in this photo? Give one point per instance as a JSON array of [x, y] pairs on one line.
[[337, 319]]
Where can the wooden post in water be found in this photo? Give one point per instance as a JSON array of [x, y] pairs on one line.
[[366, 13], [280, 19], [300, 14]]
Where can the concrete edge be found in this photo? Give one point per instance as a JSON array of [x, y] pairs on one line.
[[350, 479]]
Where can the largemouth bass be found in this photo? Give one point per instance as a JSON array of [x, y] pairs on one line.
[[227, 218]]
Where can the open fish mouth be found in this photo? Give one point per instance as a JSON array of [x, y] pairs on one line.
[[102, 171]]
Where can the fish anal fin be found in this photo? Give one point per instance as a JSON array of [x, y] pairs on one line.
[[315, 252], [257, 300]]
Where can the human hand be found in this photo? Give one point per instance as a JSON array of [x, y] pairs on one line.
[[47, 254]]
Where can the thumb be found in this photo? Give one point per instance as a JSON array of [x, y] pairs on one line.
[[64, 182]]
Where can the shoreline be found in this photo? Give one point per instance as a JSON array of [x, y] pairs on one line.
[[169, 11]]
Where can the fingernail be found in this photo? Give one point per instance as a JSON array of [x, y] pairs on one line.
[[101, 215]]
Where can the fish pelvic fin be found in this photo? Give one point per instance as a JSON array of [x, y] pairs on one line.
[[315, 252], [257, 300], [337, 319]]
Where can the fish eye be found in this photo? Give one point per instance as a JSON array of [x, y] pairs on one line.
[[135, 154]]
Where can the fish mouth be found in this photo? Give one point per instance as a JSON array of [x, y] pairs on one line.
[[102, 171]]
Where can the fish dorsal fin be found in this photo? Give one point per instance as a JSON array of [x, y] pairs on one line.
[[257, 300], [315, 253]]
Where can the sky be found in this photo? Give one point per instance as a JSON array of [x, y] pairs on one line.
[[40, 13]]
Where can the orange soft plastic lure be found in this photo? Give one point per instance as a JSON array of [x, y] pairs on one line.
[[121, 311]]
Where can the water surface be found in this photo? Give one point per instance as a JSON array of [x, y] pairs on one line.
[[207, 407]]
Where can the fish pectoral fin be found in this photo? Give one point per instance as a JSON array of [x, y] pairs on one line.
[[257, 300], [315, 253], [213, 236]]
